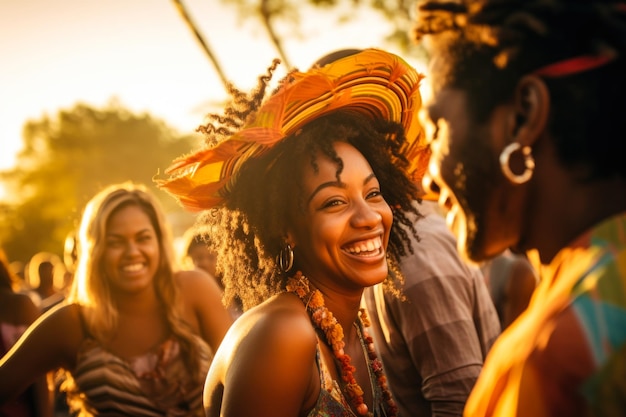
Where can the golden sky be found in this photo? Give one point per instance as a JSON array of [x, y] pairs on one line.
[[56, 53]]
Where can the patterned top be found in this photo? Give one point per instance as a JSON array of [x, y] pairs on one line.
[[433, 344], [331, 401], [154, 384], [566, 354]]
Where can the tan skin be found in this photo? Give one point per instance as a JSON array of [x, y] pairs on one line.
[[56, 338], [268, 356], [518, 286], [518, 291]]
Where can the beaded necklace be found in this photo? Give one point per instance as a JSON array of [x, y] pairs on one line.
[[324, 320]]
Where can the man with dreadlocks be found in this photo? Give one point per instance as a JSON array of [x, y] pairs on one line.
[[528, 140]]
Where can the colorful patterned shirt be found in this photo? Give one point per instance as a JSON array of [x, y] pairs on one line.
[[566, 354]]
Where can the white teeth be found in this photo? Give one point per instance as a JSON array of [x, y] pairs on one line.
[[367, 246], [132, 268]]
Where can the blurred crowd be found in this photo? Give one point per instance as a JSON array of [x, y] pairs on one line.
[[359, 251]]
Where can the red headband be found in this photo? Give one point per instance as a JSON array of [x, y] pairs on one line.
[[578, 64], [573, 66]]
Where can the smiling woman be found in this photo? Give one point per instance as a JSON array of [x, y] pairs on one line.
[[302, 189], [134, 325]]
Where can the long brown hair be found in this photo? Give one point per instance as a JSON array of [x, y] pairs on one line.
[[91, 289]]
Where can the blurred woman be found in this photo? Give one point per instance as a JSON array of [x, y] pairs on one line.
[[137, 336], [199, 252]]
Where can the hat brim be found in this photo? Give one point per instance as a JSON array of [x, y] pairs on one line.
[[372, 82]]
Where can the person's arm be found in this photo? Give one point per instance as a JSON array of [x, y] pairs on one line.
[[201, 291], [270, 370], [49, 343]]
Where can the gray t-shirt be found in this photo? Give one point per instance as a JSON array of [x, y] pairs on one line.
[[433, 344]]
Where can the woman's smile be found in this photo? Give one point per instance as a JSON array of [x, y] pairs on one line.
[[366, 248]]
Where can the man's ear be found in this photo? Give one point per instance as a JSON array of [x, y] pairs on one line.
[[531, 107]]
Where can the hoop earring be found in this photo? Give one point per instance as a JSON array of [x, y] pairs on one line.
[[529, 163], [285, 258]]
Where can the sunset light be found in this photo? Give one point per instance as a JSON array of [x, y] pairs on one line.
[[141, 53]]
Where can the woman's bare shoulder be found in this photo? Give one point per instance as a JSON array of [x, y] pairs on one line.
[[267, 355], [277, 325], [280, 312], [194, 280], [65, 316]]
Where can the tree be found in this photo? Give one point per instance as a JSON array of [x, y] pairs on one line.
[[398, 12], [272, 12], [66, 159], [204, 44]]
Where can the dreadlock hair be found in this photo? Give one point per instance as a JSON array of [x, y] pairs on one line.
[[486, 46], [240, 109], [267, 196]]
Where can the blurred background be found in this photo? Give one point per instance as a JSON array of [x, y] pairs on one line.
[[94, 92]]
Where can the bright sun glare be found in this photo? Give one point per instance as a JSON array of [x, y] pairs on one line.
[[91, 52]]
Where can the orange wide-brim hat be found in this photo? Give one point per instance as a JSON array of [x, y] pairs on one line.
[[372, 82]]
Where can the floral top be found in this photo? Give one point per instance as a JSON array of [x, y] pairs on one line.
[[566, 354]]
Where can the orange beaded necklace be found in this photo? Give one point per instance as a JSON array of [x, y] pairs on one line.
[[324, 319]]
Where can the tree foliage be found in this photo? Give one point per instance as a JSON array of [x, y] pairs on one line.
[[66, 159], [398, 12], [270, 12]]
